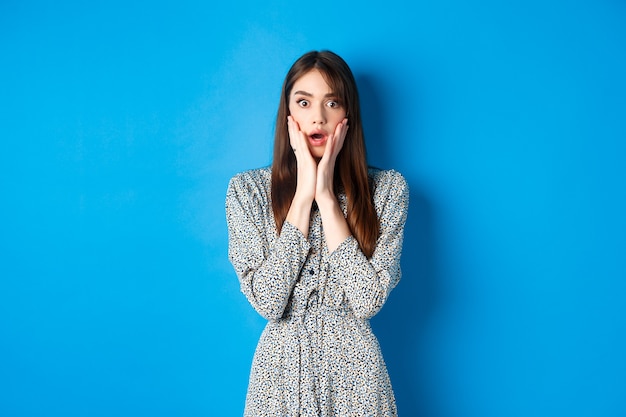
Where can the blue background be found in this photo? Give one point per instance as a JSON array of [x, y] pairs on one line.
[[121, 124]]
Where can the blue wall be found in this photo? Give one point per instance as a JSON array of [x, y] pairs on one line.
[[121, 125]]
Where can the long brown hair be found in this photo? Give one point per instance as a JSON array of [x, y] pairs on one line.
[[351, 174]]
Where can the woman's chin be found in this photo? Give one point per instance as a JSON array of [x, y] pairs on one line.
[[317, 151]]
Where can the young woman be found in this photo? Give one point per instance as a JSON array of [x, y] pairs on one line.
[[315, 240]]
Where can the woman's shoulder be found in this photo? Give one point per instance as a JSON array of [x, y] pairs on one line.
[[386, 178], [390, 190], [256, 176], [253, 184]]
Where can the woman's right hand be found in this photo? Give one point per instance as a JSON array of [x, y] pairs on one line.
[[307, 166], [300, 209]]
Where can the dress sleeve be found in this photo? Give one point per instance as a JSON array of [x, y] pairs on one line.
[[367, 283], [267, 267]]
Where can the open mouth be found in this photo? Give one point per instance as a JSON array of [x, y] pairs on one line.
[[317, 138]]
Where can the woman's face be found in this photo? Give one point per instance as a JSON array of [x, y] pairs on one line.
[[317, 110]]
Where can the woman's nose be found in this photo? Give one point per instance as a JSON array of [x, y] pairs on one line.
[[320, 116]]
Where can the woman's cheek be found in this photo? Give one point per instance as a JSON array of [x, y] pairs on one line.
[[295, 115]]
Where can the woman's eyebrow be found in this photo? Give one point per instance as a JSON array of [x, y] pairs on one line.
[[304, 93]]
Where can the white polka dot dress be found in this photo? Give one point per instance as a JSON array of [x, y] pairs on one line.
[[317, 356]]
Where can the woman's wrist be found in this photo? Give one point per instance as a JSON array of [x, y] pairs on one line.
[[327, 202], [336, 228], [300, 212]]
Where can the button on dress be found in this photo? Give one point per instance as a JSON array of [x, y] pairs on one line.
[[317, 355]]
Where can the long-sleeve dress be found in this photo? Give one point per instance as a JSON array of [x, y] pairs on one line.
[[317, 355]]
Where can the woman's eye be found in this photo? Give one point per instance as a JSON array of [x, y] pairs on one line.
[[303, 103], [332, 104]]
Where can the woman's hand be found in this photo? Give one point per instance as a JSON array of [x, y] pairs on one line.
[[315, 182], [336, 228], [307, 167], [326, 167], [300, 210]]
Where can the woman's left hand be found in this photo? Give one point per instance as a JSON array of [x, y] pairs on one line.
[[335, 226], [326, 167]]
